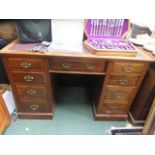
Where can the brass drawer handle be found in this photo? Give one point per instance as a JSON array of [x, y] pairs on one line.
[[25, 64], [111, 110], [90, 66], [66, 65], [28, 78], [127, 69], [119, 96], [31, 92], [114, 108], [34, 107], [123, 81]]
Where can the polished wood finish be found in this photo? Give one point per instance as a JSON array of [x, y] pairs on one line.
[[114, 108], [28, 78], [108, 116], [34, 106], [80, 65], [31, 84], [143, 100], [123, 80], [5, 118], [31, 92], [119, 94], [142, 55], [26, 63], [125, 53], [111, 95], [127, 67]]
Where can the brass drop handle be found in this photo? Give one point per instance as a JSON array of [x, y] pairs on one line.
[[31, 92], [90, 66], [66, 65], [34, 107], [119, 95], [127, 69], [113, 108], [25, 64], [123, 81], [28, 78]]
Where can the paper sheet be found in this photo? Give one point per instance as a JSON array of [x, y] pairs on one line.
[[67, 31], [67, 35]]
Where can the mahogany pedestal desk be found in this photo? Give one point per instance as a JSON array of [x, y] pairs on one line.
[[117, 79]]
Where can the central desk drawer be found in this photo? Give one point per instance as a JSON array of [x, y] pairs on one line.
[[31, 92], [80, 65]]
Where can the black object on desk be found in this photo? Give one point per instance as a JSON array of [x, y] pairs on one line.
[[3, 75], [34, 30]]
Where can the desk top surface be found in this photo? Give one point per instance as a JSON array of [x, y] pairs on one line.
[[16, 48]]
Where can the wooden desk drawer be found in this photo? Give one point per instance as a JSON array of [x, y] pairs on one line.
[[113, 108], [118, 93], [123, 80], [28, 77], [80, 65], [30, 92], [26, 63], [127, 67], [34, 106]]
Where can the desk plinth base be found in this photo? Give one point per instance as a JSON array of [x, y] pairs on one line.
[[110, 117], [30, 115], [135, 122]]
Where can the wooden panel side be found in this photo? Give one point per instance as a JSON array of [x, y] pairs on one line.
[[5, 118]]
